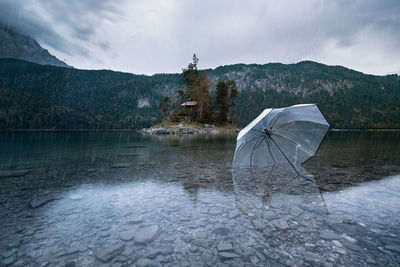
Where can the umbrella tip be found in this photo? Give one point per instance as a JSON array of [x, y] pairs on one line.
[[267, 132]]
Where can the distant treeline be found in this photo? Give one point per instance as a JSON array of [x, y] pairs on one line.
[[34, 96]]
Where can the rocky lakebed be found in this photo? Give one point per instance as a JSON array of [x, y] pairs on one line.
[[123, 199]]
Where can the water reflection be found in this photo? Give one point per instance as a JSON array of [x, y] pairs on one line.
[[351, 158], [287, 208]]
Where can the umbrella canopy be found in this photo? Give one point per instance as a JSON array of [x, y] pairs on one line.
[[281, 136]]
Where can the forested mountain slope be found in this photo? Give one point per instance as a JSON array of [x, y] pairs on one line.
[[36, 96]]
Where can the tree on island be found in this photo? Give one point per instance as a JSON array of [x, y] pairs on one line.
[[197, 93], [224, 101], [165, 105], [202, 96], [197, 90], [192, 76]]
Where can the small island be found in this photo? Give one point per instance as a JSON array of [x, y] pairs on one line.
[[198, 110], [194, 128]]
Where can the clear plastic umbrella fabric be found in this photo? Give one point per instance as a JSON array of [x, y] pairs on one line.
[[281, 137]]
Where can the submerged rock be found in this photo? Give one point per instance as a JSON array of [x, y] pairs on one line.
[[159, 252], [121, 165], [224, 246], [349, 221], [134, 219], [75, 247], [348, 238], [328, 235], [395, 248], [233, 214], [201, 242], [146, 234], [38, 202], [281, 224], [228, 255], [220, 231], [70, 264], [339, 250], [108, 252], [14, 173], [76, 197], [337, 243], [8, 261], [145, 262], [127, 235]]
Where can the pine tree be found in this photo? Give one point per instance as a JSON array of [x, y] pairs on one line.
[[165, 105], [192, 77], [224, 100], [201, 95], [197, 89], [221, 102], [233, 93]]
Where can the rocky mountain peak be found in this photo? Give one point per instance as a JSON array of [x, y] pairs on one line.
[[15, 45]]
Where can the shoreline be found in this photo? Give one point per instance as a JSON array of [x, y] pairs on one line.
[[139, 130]]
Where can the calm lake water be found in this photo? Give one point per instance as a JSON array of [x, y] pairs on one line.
[[122, 199]]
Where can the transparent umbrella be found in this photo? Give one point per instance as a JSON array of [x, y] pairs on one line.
[[281, 136]]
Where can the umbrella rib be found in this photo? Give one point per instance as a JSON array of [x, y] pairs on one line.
[[285, 156], [291, 140], [252, 129], [264, 123], [240, 147], [269, 150], [252, 150], [313, 122], [246, 142], [277, 117]]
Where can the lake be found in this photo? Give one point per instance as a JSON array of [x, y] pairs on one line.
[[122, 199]]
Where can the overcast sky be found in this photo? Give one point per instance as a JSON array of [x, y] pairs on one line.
[[160, 36]]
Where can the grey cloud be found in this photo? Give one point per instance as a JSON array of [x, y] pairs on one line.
[[15, 16], [220, 32], [40, 18], [104, 45]]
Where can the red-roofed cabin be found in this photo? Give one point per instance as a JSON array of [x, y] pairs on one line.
[[189, 104]]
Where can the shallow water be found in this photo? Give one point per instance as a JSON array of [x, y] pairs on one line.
[[119, 198]]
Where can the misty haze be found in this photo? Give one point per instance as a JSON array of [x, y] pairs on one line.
[[199, 133]]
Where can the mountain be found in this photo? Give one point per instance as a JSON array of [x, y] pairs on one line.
[[36, 96], [15, 45], [348, 99]]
